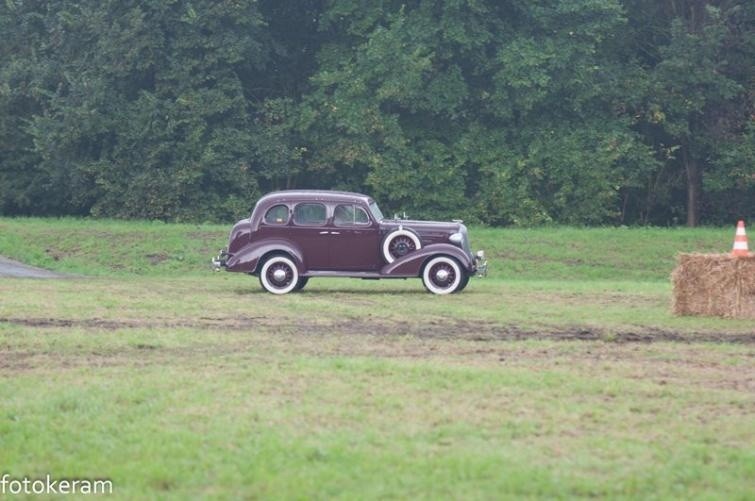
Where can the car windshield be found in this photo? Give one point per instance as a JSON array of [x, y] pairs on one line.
[[376, 211]]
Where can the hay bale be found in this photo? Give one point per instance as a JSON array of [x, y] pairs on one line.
[[714, 284]]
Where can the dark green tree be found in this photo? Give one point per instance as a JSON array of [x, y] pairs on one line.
[[504, 112], [501, 111], [141, 109], [694, 106]]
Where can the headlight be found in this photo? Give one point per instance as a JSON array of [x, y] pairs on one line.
[[456, 238]]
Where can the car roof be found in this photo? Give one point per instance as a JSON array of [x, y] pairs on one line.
[[321, 195]]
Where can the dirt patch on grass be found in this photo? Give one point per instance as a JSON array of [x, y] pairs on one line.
[[155, 259], [106, 324], [489, 331], [18, 361], [58, 254], [218, 342], [436, 329], [211, 240]]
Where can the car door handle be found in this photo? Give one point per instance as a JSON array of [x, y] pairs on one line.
[[335, 232], [324, 232]]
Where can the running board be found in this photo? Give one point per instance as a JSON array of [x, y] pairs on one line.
[[349, 274]]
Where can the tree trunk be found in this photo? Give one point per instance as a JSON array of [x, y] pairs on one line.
[[694, 190]]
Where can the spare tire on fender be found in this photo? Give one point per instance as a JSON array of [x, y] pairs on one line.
[[399, 243]]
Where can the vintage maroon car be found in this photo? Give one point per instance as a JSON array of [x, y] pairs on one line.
[[293, 236]]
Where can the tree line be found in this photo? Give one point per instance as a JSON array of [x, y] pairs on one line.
[[505, 112]]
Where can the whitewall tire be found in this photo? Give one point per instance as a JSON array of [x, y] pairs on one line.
[[279, 275], [442, 275], [400, 243]]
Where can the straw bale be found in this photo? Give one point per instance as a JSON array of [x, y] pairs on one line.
[[714, 284]]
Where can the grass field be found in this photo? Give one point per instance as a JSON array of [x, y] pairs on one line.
[[561, 374]]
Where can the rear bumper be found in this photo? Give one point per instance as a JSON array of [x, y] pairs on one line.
[[481, 264], [220, 260]]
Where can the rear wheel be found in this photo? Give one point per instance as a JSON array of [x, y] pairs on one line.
[[279, 275], [301, 283], [442, 275]]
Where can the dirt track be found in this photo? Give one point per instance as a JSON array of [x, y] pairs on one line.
[[472, 331], [11, 268]]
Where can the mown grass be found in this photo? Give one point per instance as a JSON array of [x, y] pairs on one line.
[[209, 413], [607, 306], [106, 247], [176, 382]]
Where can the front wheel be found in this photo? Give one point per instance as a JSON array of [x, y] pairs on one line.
[[443, 275], [279, 275], [464, 282]]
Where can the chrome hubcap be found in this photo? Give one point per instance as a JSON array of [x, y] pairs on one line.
[[279, 275], [442, 275]]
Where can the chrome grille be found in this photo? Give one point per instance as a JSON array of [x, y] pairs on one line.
[[465, 240]]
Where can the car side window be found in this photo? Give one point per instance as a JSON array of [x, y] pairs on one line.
[[310, 214], [350, 215], [277, 214]]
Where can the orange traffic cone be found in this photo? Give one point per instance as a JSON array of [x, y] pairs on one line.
[[740, 241]]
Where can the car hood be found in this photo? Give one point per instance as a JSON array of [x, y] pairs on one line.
[[423, 227]]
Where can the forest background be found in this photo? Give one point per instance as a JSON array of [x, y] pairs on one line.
[[509, 112]]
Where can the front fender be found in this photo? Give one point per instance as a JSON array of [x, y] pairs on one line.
[[248, 257], [411, 264]]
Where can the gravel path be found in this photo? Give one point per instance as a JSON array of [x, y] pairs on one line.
[[11, 268]]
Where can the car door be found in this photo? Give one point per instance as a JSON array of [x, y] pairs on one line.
[[309, 231], [355, 239]]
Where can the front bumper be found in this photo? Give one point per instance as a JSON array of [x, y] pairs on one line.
[[481, 263], [219, 261]]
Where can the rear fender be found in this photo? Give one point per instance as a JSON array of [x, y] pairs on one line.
[[411, 264], [247, 259]]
